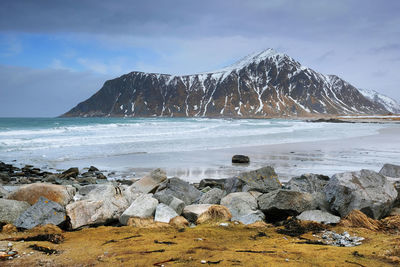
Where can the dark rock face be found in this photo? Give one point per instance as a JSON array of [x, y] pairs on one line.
[[240, 159], [43, 212], [180, 189], [265, 84], [365, 190], [263, 180]]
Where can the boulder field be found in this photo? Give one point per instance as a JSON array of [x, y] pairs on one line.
[[250, 197]]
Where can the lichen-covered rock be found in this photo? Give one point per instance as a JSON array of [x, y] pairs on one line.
[[212, 196], [164, 213], [96, 204], [180, 189], [10, 210], [318, 216], [390, 170], [43, 212], [313, 184], [32, 192], [143, 207], [279, 204], [243, 207], [150, 182], [175, 203], [263, 180], [192, 212], [365, 190]]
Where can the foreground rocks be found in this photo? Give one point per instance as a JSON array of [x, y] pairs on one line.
[[32, 192], [10, 210], [250, 197], [43, 212], [390, 170], [365, 190]]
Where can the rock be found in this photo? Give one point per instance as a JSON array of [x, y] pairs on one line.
[[86, 180], [71, 172], [181, 190], [143, 207], [279, 204], [390, 170], [175, 203], [179, 222], [96, 204], [212, 197], [164, 213], [262, 180], [243, 207], [3, 192], [93, 169], [150, 182], [32, 192], [228, 185], [318, 216], [192, 212], [215, 213], [365, 190], [9, 228], [240, 159], [313, 184], [10, 210], [309, 183], [44, 211]]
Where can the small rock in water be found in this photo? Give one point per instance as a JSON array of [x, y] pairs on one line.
[[240, 159]]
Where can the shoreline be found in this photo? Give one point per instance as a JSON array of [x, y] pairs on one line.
[[288, 159]]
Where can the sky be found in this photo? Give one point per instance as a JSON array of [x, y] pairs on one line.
[[57, 53]]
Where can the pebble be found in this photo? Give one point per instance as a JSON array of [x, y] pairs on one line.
[[224, 224], [341, 240], [9, 244], [203, 262]]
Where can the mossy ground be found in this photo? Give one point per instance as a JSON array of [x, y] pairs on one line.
[[131, 246]]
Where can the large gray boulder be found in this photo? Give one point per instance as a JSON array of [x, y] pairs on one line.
[[175, 203], [213, 196], [192, 212], [3, 192], [180, 189], [150, 182], [313, 184], [365, 190], [10, 210], [228, 185], [43, 212], [164, 213], [143, 207], [318, 216], [243, 207], [279, 204], [262, 180], [390, 170], [96, 205]]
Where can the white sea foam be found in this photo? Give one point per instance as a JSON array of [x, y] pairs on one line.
[[62, 139]]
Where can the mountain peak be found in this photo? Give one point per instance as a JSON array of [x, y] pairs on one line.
[[255, 57]]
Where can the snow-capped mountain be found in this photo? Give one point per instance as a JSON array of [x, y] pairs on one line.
[[389, 103], [266, 84]]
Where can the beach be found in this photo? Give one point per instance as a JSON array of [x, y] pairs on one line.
[[194, 149]]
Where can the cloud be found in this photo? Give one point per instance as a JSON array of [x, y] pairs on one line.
[[27, 92], [10, 46]]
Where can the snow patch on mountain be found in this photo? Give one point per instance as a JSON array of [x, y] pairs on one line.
[[389, 103]]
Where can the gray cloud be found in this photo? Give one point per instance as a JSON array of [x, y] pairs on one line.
[[27, 92]]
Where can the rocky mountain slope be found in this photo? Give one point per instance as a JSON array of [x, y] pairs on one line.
[[389, 103], [266, 84]]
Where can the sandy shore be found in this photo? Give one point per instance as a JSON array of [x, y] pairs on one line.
[[290, 159]]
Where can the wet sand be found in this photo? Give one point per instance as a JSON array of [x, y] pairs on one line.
[[291, 159]]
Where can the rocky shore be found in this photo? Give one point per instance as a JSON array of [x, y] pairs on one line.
[[76, 199]]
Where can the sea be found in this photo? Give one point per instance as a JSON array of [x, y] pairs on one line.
[[188, 147]]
